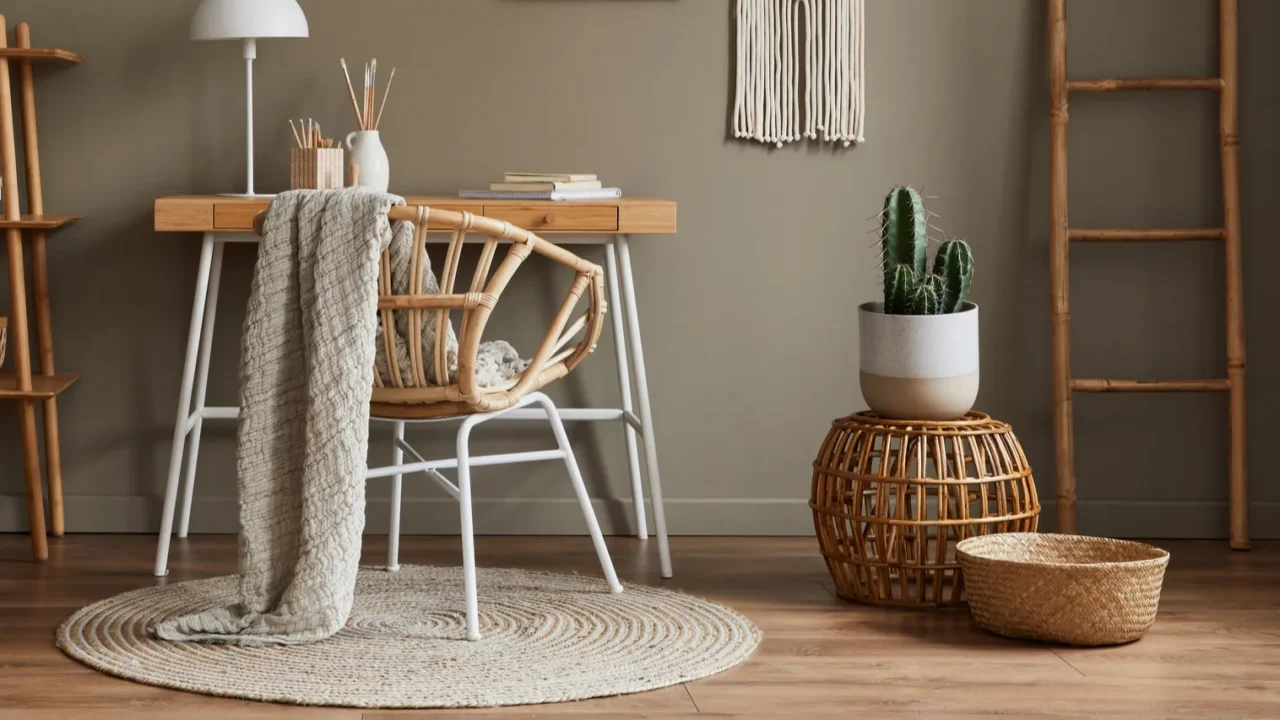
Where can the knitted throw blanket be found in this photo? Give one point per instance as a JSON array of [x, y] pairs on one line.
[[306, 378]]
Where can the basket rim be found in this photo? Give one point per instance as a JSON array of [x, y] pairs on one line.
[[1161, 555]]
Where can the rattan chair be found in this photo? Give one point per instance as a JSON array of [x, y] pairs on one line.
[[437, 395]]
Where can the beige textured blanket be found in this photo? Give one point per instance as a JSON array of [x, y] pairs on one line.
[[306, 378]]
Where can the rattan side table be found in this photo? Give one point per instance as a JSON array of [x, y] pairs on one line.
[[891, 499]]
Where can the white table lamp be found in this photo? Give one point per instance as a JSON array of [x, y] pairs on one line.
[[248, 20]]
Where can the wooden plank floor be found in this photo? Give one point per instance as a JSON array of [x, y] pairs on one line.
[[1214, 652]]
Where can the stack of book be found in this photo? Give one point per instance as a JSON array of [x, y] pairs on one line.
[[545, 186]]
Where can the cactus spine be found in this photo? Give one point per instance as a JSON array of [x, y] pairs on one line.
[[909, 287], [954, 264]]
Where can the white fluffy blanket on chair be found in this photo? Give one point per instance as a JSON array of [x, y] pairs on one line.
[[306, 377]]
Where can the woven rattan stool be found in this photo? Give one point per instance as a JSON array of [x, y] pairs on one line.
[[891, 498]]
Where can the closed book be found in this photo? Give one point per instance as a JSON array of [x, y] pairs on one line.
[[601, 194], [513, 177], [544, 186]]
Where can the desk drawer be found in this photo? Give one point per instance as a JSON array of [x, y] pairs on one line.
[[573, 218], [236, 216], [239, 216]]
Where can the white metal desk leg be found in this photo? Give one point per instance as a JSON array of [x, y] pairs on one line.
[[184, 406], [624, 384], [642, 392], [202, 385]]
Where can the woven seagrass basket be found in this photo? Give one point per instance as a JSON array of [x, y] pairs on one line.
[[1066, 589]]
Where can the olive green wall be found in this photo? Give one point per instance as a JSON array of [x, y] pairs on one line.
[[749, 314]]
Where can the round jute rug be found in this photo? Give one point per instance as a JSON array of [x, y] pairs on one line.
[[547, 638]]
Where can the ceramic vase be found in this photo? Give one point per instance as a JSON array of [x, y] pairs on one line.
[[370, 160], [918, 367]]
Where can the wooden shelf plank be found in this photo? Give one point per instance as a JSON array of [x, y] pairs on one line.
[[1210, 385], [42, 386], [1126, 84], [40, 54], [38, 222]]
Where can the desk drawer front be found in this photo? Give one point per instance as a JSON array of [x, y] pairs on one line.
[[239, 216], [236, 216], [540, 218]]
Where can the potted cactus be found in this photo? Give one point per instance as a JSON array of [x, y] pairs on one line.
[[919, 347]]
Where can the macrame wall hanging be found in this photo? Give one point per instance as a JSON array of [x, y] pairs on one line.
[[800, 71]]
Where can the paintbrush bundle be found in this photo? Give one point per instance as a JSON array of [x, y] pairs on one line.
[[366, 103], [314, 163]]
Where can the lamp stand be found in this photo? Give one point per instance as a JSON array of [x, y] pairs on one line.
[[250, 54]]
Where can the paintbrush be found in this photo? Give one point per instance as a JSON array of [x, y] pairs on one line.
[[351, 91], [368, 96], [386, 92]]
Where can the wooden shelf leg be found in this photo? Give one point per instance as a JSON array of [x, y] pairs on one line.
[[31, 471], [21, 340], [40, 282], [44, 357]]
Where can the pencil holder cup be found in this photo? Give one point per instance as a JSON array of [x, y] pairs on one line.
[[316, 168]]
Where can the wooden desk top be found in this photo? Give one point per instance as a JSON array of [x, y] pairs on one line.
[[642, 216]]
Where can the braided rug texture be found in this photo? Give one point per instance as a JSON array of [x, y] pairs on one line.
[[547, 638]]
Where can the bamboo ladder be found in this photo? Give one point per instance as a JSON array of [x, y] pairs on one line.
[[1229, 234], [19, 384]]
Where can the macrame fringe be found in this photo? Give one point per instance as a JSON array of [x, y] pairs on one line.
[[800, 71]]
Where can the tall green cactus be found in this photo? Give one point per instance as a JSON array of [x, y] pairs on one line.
[[909, 287], [954, 264], [904, 232], [899, 291]]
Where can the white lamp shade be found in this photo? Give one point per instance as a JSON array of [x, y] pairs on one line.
[[237, 19]]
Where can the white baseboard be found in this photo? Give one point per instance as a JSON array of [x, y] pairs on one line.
[[560, 516]]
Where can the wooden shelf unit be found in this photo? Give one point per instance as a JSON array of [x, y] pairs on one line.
[[23, 231]]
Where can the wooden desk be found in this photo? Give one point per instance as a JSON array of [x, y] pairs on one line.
[[223, 219], [630, 216]]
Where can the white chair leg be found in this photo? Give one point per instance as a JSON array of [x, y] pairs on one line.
[[580, 489], [393, 534], [468, 533]]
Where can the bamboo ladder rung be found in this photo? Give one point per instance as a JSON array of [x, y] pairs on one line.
[[1127, 84], [1207, 385], [1137, 235]]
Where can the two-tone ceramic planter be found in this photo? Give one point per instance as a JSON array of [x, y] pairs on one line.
[[918, 367]]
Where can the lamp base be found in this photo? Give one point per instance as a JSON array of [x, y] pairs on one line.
[[247, 195]]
